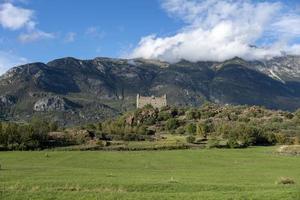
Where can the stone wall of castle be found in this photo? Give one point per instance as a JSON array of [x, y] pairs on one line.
[[156, 102]]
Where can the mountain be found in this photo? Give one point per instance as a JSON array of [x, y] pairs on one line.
[[76, 91]]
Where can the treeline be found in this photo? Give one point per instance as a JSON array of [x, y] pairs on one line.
[[40, 134], [217, 126], [29, 136], [231, 126]]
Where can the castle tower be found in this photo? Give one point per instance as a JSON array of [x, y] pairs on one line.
[[156, 102]]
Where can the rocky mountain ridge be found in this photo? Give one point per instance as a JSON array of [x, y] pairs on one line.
[[76, 91]]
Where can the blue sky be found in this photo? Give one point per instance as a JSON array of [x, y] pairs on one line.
[[158, 29], [98, 28]]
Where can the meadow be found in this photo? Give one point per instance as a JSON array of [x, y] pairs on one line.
[[224, 174]]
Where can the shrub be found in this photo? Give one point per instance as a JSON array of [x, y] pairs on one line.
[[297, 140], [243, 119], [164, 116], [233, 143], [180, 131], [297, 113], [277, 119], [289, 115], [191, 128], [142, 130], [101, 143], [282, 138], [91, 127], [190, 139], [212, 143], [285, 181], [148, 106], [193, 114], [174, 112], [53, 126], [150, 120], [172, 124], [204, 128]]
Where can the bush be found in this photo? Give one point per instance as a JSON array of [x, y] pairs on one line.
[[193, 114], [204, 128], [191, 128], [297, 140], [233, 143], [101, 143], [174, 112], [213, 143], [164, 116], [53, 126], [190, 139], [297, 113], [180, 131], [148, 106], [282, 138], [142, 130], [243, 119], [150, 120], [285, 181], [172, 124]]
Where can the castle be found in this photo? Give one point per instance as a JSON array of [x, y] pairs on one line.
[[156, 102]]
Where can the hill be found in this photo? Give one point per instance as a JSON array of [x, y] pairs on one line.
[[148, 128]]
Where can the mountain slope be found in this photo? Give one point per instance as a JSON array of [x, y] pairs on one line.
[[79, 91]]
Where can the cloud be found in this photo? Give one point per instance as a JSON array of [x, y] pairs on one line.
[[70, 37], [95, 32], [221, 29], [289, 24], [34, 35], [13, 18], [8, 60]]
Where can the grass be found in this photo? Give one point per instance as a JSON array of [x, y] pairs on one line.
[[224, 174], [170, 142]]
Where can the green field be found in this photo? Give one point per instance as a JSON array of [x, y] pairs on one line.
[[182, 174]]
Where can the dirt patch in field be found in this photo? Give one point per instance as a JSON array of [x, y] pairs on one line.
[[289, 150]]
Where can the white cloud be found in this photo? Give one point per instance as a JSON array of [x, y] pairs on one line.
[[289, 24], [221, 29], [15, 18], [70, 37], [34, 35], [8, 60], [12, 17], [95, 32]]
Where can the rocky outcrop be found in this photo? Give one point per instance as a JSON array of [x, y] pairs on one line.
[[54, 103], [6, 100]]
